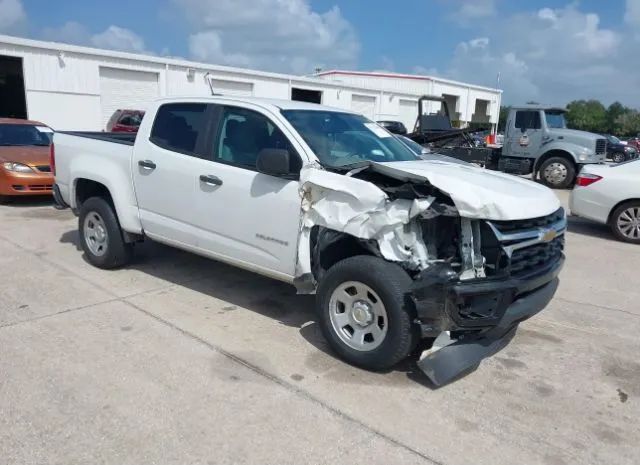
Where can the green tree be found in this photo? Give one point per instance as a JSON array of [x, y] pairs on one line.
[[628, 124], [587, 115], [502, 120], [614, 112]]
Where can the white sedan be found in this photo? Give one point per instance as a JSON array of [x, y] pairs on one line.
[[610, 194]]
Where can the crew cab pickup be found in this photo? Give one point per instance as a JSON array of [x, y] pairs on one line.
[[397, 249]]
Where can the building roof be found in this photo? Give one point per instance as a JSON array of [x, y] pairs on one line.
[[302, 81], [418, 77]]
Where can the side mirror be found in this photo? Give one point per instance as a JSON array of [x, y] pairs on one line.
[[274, 162]]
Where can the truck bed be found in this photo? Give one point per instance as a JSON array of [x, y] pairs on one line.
[[125, 138]]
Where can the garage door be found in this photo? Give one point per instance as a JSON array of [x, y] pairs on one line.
[[225, 87], [125, 89], [408, 113], [364, 104]]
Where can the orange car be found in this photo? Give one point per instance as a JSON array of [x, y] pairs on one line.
[[24, 158]]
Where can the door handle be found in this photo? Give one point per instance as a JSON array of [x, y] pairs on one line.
[[211, 180], [147, 164]]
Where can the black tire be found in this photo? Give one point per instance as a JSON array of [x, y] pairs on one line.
[[618, 157], [555, 183], [617, 214], [391, 283], [116, 251], [5, 199]]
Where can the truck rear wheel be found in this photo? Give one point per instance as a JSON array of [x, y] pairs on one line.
[[365, 314], [101, 236], [557, 173]]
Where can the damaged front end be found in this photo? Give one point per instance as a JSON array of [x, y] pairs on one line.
[[474, 280]]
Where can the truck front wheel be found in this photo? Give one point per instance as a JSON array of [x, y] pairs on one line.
[[365, 314], [101, 236], [557, 173]]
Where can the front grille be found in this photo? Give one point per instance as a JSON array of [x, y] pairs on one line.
[[601, 146], [44, 168], [40, 187], [511, 227], [540, 256], [33, 187], [520, 248]]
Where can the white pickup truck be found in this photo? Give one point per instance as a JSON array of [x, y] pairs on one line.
[[396, 248]]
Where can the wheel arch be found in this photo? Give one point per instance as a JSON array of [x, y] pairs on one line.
[[555, 153], [619, 204], [329, 247], [87, 185]]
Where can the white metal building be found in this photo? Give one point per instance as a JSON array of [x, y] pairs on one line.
[[467, 102], [70, 87]]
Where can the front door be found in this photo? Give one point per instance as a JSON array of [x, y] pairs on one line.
[[525, 136], [166, 172], [244, 215]]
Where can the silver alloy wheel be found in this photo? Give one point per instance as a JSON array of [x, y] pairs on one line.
[[555, 173], [358, 316], [617, 158], [95, 234], [629, 223]]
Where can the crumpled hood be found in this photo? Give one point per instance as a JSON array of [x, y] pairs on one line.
[[478, 192]]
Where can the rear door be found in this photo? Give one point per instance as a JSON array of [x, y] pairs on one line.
[[241, 214], [166, 171]]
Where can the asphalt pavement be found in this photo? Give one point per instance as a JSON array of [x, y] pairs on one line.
[[177, 359]]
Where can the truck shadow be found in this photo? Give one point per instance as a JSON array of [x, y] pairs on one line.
[[29, 201], [240, 289]]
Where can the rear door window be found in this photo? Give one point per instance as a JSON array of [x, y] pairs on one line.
[[181, 127]]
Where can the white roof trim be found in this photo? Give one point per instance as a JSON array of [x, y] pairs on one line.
[[310, 82]]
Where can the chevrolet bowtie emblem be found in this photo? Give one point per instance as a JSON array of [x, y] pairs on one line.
[[549, 235]]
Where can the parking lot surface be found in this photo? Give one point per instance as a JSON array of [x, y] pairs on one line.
[[179, 359]]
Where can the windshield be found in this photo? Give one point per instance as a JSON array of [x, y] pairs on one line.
[[555, 120], [24, 134], [614, 140], [414, 146], [341, 139]]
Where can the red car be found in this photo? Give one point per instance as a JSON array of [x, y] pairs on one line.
[[634, 142], [125, 121]]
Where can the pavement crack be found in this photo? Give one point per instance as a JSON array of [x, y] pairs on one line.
[[602, 307], [233, 357], [61, 312], [286, 385]]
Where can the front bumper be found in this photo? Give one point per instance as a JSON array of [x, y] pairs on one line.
[[20, 184], [482, 316]]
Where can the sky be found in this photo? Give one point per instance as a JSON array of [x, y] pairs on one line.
[[549, 51]]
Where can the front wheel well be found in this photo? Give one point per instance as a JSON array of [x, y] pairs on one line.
[[329, 247], [551, 154]]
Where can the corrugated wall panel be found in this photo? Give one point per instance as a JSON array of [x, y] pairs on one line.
[[126, 89]]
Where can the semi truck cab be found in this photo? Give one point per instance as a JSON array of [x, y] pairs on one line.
[[537, 141]]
